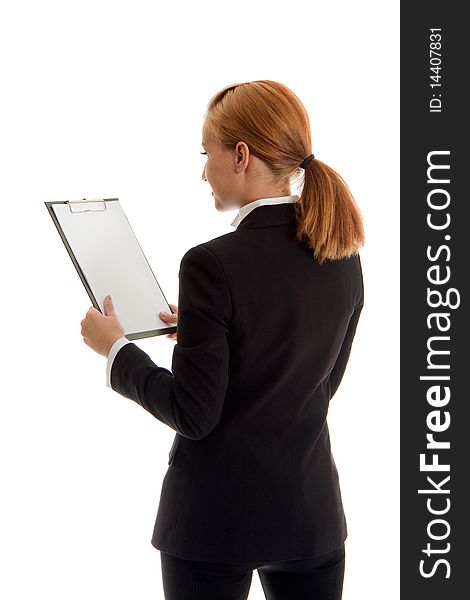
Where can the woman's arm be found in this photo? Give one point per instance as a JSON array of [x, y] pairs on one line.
[[190, 397]]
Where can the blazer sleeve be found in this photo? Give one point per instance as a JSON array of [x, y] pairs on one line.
[[339, 368], [190, 397]]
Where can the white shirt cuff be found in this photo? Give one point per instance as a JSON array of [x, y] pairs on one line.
[[118, 344]]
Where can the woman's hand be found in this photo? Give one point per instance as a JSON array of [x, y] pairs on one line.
[[101, 331], [170, 319]]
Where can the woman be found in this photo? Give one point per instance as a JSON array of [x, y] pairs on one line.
[[266, 318]]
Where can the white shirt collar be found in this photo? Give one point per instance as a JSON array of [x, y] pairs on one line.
[[247, 208]]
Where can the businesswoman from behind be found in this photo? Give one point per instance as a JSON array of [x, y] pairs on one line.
[[266, 318]]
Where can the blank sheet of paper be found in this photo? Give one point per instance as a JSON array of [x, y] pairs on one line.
[[109, 260]]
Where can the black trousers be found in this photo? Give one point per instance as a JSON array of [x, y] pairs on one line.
[[319, 578]]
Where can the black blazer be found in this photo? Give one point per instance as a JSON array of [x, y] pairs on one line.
[[264, 336]]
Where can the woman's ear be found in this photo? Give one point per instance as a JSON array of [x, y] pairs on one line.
[[242, 157]]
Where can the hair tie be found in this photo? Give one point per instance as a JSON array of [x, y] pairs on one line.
[[305, 161]]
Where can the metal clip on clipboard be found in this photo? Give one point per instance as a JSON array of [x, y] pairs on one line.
[[87, 207]]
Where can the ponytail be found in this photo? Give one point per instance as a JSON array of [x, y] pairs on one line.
[[328, 219]]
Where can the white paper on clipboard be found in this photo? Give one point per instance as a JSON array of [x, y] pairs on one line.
[[109, 260]]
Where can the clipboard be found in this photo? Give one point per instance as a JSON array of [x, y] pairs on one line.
[[109, 260]]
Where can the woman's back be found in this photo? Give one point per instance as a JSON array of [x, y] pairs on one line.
[[259, 483]]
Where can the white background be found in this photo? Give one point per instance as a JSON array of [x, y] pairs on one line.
[[107, 99]]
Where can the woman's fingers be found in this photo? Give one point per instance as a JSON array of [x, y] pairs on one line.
[[171, 319], [168, 318]]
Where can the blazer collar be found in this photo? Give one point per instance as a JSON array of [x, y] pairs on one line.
[[268, 215]]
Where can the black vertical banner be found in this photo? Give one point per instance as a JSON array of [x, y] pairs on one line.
[[434, 292]]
